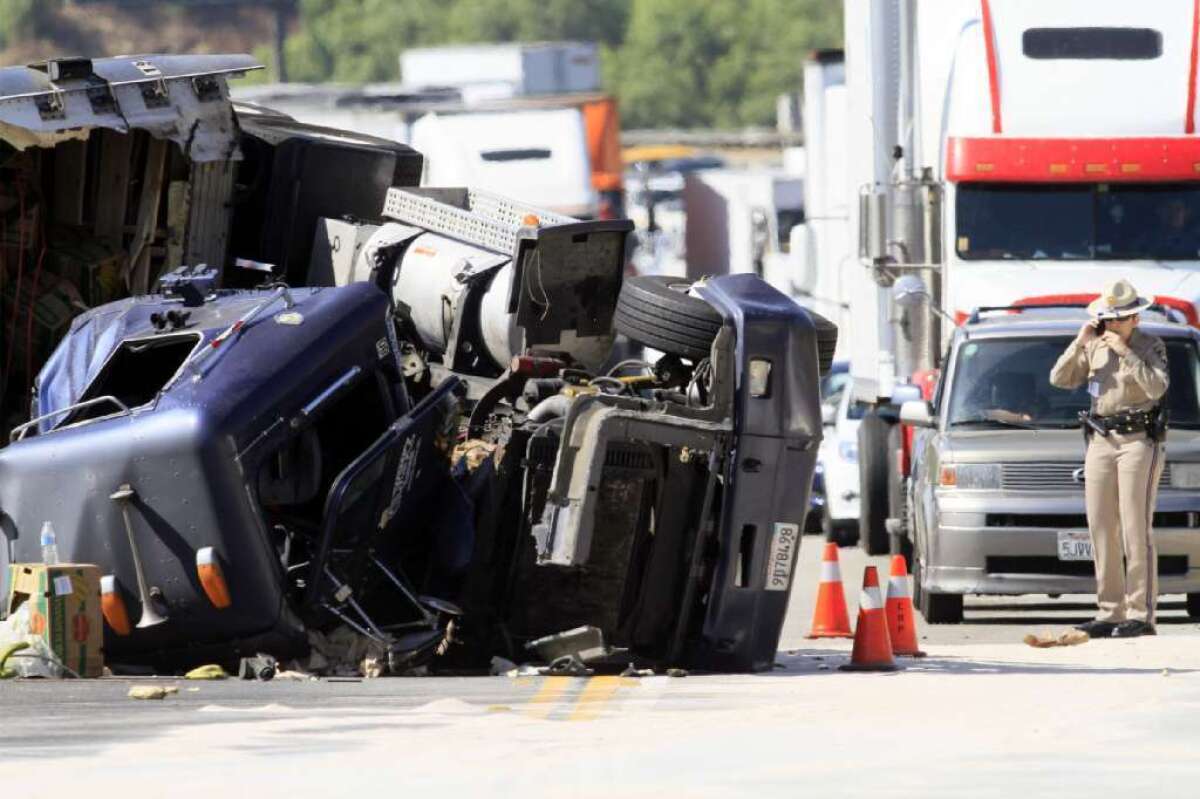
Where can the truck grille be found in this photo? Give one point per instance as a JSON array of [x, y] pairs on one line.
[[1068, 521], [1051, 476], [1168, 565]]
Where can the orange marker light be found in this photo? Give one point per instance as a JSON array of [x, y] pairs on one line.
[[112, 606], [1130, 169], [1058, 169], [949, 476], [982, 167], [208, 567]]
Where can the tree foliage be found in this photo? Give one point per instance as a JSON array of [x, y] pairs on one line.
[[25, 19], [687, 63]]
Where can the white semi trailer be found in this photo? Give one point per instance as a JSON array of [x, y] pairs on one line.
[[996, 153]]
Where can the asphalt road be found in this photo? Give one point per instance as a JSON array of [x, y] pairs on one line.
[[983, 716]]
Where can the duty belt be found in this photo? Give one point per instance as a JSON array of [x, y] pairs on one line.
[[1151, 422]]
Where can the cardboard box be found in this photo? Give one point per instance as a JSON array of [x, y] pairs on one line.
[[66, 610]]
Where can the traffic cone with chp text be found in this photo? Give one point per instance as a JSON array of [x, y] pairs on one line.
[[901, 620]]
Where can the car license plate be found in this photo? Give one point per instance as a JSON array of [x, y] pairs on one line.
[[785, 543], [1074, 545]]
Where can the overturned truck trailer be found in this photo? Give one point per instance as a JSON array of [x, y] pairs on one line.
[[430, 448]]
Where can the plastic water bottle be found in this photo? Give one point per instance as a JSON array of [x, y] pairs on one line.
[[49, 544]]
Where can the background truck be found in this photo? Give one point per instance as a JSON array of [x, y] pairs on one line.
[[996, 154], [527, 120]]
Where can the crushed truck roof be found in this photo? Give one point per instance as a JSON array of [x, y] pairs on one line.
[[181, 98]]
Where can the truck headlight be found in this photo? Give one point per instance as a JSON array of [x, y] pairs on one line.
[[971, 475], [1185, 475], [760, 377], [848, 450]]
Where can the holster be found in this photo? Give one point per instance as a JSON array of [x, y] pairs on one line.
[[1156, 430]]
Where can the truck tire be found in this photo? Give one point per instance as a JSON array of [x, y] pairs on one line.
[[657, 311], [813, 523], [842, 533], [873, 483], [942, 608], [898, 543]]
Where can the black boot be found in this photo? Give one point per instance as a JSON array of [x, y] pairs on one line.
[[1098, 629], [1134, 629]]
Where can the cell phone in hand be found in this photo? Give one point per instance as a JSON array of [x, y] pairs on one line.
[[1100, 325]]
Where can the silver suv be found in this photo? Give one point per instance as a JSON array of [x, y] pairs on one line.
[[996, 502]]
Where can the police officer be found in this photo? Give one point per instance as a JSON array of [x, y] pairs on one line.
[[1125, 371]]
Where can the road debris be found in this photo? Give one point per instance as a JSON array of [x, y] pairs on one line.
[[567, 666], [152, 691], [211, 671], [1047, 640], [296, 676], [260, 667], [585, 644], [501, 665], [632, 671], [34, 658], [6, 650], [342, 653]]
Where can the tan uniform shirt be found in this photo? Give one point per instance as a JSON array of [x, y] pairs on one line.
[[1133, 382]]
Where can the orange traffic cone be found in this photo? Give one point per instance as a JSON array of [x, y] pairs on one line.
[[872, 647], [901, 621], [830, 619]]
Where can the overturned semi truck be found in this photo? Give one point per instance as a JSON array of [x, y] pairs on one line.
[[432, 447]]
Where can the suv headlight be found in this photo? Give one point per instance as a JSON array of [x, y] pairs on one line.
[[970, 475], [1185, 475], [848, 450]]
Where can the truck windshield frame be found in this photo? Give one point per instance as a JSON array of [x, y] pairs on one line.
[[1077, 221], [1004, 382]]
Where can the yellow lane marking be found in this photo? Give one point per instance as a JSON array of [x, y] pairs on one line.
[[594, 697], [543, 702]]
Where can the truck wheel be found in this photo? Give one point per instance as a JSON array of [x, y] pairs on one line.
[[813, 523], [1193, 605], [898, 543], [873, 483], [657, 311], [844, 534]]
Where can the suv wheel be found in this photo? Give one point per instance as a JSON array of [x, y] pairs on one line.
[[936, 608], [941, 608], [873, 483]]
